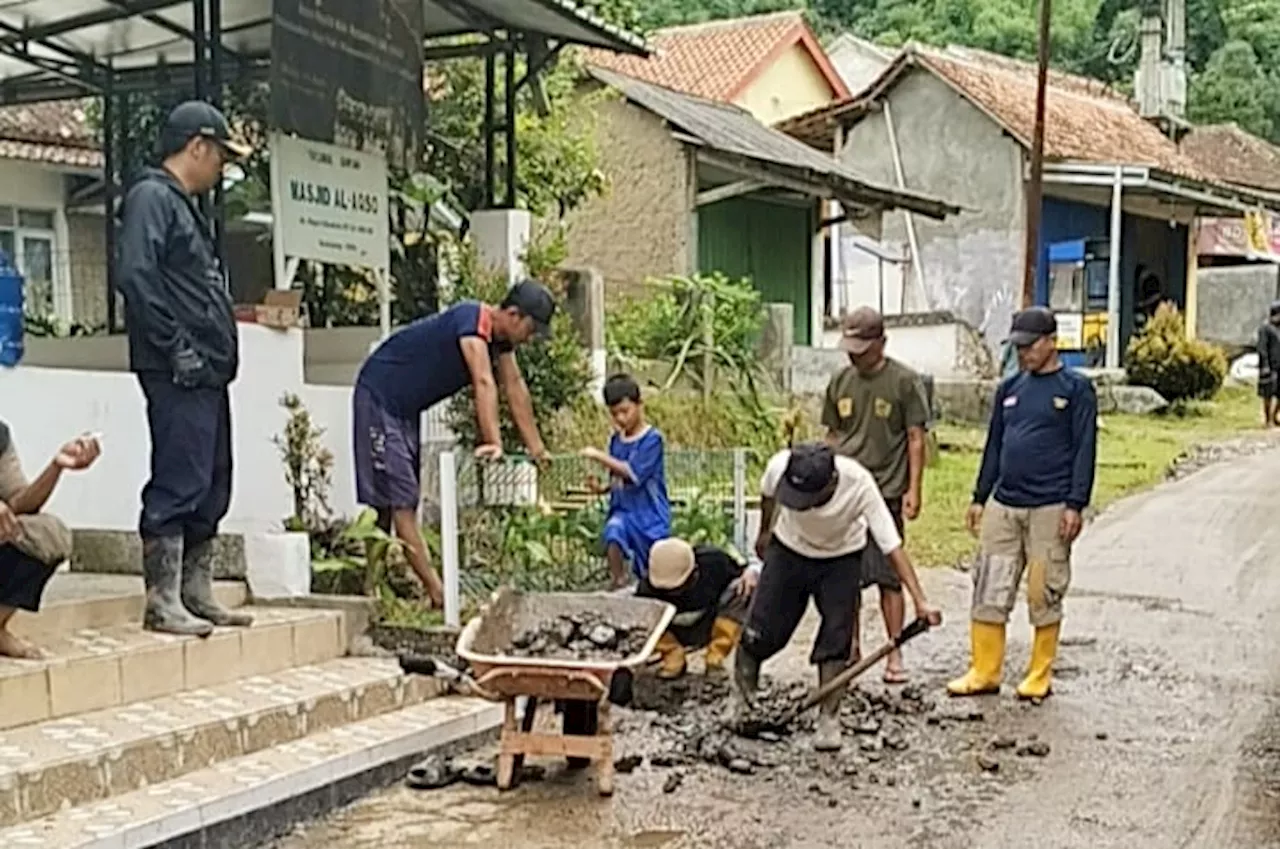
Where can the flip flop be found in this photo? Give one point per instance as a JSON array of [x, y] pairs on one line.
[[896, 676]]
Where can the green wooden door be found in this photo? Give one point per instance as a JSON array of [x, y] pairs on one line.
[[770, 243]]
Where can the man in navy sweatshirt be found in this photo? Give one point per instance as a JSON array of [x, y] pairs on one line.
[[1037, 471]]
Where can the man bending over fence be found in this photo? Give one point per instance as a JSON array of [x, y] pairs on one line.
[[421, 365]]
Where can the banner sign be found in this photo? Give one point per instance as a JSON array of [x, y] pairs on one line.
[[349, 72], [330, 203], [1255, 235]]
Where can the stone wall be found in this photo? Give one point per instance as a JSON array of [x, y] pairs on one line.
[[1231, 302]]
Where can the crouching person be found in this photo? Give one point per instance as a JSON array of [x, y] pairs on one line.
[[710, 592], [825, 506], [32, 544]]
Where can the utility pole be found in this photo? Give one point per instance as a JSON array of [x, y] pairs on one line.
[[1035, 181]]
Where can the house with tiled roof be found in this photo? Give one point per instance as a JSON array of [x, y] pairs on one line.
[[48, 154], [1120, 197], [676, 207], [770, 65]]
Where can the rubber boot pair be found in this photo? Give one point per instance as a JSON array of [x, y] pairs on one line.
[[826, 736], [179, 584], [724, 638], [986, 668], [672, 657]]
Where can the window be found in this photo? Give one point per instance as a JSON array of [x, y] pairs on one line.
[[27, 236]]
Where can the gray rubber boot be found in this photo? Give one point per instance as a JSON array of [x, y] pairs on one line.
[[162, 573], [826, 737], [746, 680], [197, 588]]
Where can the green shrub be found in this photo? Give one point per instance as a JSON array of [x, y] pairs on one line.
[[557, 370], [1180, 369], [686, 322]]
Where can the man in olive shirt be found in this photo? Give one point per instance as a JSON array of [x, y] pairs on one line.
[[876, 412]]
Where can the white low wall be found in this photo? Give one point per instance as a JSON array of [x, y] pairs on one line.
[[929, 349], [46, 406]]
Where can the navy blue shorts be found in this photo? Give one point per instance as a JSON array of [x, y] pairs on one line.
[[388, 454]]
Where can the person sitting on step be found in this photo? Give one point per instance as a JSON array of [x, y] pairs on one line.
[[32, 543], [710, 591]]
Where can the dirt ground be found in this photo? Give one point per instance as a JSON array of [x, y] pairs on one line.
[[1164, 730]]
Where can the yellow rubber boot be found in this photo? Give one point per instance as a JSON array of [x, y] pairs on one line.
[[987, 665], [724, 638], [672, 663], [1044, 649]]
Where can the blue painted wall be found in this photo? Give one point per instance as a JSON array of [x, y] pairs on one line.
[[1148, 242]]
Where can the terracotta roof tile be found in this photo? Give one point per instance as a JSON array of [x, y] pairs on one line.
[[56, 132], [1234, 155], [1085, 121], [714, 60]]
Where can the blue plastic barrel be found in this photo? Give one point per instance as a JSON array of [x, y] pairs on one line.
[[11, 326]]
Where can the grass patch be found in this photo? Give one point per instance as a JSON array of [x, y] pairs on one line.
[[1134, 453]]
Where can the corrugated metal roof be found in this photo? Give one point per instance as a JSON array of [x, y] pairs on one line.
[[727, 129], [146, 33]]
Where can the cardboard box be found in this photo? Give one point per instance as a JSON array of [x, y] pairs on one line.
[[279, 309]]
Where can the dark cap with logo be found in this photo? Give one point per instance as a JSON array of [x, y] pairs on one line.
[[198, 119], [1031, 324], [861, 329], [810, 470], [533, 299], [1275, 308]]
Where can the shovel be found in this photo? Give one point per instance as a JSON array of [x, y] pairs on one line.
[[784, 719]]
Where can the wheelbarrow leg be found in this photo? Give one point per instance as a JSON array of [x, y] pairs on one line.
[[526, 725], [604, 741], [506, 747]]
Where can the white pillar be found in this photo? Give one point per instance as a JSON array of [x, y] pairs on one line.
[[449, 538], [1113, 271], [817, 275], [501, 236]]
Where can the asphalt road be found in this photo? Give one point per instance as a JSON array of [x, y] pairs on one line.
[[1164, 728]]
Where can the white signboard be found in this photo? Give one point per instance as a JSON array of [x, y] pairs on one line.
[[329, 204], [1070, 331]]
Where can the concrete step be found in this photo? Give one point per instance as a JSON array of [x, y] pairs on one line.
[[76, 601], [63, 763], [90, 670], [249, 800]]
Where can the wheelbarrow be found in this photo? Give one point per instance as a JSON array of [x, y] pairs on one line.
[[580, 688]]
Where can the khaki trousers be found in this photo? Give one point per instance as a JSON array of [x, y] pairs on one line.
[[1014, 540]]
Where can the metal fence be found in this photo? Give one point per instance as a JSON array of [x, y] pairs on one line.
[[511, 521]]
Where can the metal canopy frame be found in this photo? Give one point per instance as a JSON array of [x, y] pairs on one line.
[[69, 49]]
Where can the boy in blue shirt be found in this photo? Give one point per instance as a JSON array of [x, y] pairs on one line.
[[639, 511]]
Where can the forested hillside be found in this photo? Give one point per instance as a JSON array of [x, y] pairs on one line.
[[1233, 45]]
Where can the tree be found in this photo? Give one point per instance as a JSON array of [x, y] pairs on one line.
[[1235, 87]]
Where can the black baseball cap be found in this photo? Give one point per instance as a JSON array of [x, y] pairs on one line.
[[198, 119], [1031, 324], [533, 299], [810, 470], [1275, 308]]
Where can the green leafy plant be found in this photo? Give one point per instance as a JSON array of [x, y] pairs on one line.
[[308, 467], [703, 327], [1180, 369]]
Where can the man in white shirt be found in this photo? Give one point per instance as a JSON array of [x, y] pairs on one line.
[[824, 506]]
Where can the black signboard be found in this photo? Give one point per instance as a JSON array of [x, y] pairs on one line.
[[349, 72]]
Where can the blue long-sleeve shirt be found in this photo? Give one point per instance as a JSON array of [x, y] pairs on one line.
[[1042, 442]]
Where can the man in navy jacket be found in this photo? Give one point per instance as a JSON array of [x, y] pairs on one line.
[[1035, 481], [184, 348]]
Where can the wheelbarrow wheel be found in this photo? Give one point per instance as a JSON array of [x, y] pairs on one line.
[[581, 719]]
